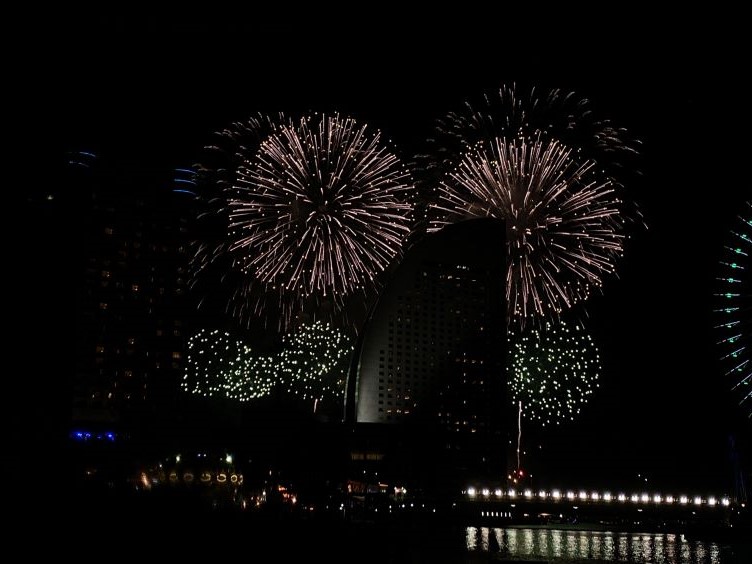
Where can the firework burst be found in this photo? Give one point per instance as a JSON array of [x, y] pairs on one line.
[[511, 112], [546, 164], [552, 371], [219, 365], [217, 275], [321, 209], [314, 362], [564, 228]]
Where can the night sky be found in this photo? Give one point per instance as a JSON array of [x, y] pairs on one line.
[[151, 92]]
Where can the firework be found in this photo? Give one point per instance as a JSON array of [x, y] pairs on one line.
[[233, 146], [320, 210], [314, 362], [735, 310], [551, 114], [509, 137], [552, 371], [217, 275], [219, 365], [564, 229]]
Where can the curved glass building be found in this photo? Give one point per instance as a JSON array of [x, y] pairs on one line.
[[429, 366]]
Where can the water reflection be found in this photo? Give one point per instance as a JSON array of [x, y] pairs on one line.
[[551, 544], [471, 538], [484, 539]]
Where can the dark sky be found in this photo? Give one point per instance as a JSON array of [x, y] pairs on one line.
[[151, 91]]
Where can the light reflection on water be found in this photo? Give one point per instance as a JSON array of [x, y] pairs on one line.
[[559, 545]]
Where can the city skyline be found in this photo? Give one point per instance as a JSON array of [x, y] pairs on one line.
[[150, 111]]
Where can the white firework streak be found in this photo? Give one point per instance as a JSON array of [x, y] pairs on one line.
[[564, 224], [322, 209]]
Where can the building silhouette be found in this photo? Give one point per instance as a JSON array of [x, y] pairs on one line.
[[131, 292], [428, 371]]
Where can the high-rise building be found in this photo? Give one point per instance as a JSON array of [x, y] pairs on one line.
[[431, 357], [131, 307]]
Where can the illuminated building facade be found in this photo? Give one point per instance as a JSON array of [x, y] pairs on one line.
[[432, 354]]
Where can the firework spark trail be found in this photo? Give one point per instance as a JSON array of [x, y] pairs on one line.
[[564, 228], [321, 209], [552, 371], [519, 432]]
